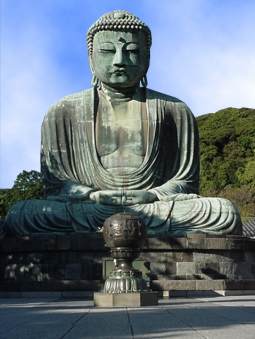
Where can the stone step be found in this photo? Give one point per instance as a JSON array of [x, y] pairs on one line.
[[156, 285]]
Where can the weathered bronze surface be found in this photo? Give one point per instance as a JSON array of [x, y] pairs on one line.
[[124, 230], [121, 147], [124, 233]]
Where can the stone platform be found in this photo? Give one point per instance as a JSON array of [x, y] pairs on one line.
[[135, 299], [191, 318], [80, 262]]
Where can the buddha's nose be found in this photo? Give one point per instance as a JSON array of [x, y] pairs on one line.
[[119, 58]]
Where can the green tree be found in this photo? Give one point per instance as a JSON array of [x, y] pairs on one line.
[[28, 185], [227, 156]]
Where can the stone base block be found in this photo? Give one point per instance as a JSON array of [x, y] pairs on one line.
[[79, 262], [145, 298]]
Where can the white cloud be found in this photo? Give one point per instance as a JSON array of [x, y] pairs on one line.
[[203, 54], [209, 80], [29, 84]]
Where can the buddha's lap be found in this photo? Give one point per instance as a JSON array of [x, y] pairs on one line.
[[180, 210]]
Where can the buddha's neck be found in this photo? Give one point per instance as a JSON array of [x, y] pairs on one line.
[[120, 94]]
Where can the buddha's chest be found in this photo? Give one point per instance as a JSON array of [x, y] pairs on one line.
[[121, 134]]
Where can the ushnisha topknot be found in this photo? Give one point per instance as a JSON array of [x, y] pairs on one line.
[[118, 20]]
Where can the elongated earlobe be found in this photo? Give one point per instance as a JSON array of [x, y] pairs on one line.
[[95, 82], [144, 81]]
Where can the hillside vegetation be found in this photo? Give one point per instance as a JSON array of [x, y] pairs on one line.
[[227, 159], [227, 156]]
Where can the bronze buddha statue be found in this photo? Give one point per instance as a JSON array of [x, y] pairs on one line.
[[120, 146]]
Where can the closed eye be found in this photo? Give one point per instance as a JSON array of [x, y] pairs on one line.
[[132, 48], [135, 51], [104, 50]]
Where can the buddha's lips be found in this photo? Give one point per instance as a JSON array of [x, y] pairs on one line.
[[119, 71]]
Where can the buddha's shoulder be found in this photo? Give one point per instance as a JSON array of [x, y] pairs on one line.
[[66, 103], [152, 94], [172, 105], [77, 96]]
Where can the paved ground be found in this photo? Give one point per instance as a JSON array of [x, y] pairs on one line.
[[218, 317]]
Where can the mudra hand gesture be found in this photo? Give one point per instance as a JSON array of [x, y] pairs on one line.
[[126, 198]]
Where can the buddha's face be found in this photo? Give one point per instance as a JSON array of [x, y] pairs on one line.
[[119, 59]]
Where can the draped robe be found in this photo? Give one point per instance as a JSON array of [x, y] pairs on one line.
[[170, 169]]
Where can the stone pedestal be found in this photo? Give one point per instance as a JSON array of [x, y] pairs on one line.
[[135, 299], [79, 262]]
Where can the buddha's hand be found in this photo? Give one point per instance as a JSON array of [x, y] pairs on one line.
[[125, 198], [75, 191]]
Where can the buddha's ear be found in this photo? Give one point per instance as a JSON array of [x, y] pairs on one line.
[[94, 82], [91, 64]]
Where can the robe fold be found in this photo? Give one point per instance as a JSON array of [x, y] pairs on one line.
[[170, 169], [171, 163]]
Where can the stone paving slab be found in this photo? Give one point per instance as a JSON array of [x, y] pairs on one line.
[[215, 317]]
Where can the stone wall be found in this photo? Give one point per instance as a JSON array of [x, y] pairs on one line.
[[80, 262]]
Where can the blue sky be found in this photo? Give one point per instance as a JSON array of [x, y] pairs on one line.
[[203, 53]]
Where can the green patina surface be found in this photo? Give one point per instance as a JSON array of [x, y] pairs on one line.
[[120, 146]]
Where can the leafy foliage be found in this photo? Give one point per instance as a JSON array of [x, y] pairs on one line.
[[227, 151], [28, 185]]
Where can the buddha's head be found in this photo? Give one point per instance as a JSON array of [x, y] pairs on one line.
[[119, 50]]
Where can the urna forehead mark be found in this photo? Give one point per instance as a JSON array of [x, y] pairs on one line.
[[124, 37]]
